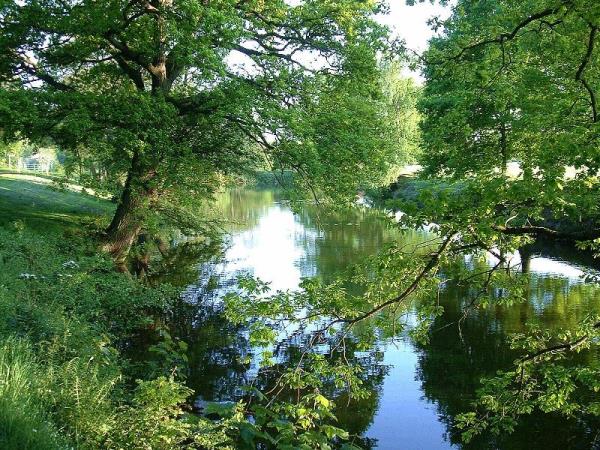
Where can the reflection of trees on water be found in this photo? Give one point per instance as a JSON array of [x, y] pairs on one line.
[[354, 415], [331, 240], [562, 250], [344, 238], [243, 209], [180, 264], [219, 354], [450, 369], [217, 371], [216, 353], [219, 350], [216, 347]]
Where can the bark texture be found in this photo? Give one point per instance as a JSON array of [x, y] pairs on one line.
[[127, 222]]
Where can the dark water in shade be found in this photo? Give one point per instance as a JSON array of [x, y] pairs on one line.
[[416, 389]]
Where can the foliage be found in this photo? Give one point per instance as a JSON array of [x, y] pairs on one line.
[[164, 99], [508, 82], [65, 314], [510, 125], [71, 312], [403, 96], [545, 379]]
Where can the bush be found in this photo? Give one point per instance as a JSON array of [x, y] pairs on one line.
[[64, 313]]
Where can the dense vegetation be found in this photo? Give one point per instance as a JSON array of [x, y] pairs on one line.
[[70, 377], [172, 97], [156, 105]]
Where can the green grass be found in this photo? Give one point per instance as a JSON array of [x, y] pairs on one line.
[[40, 203], [64, 315], [23, 421]]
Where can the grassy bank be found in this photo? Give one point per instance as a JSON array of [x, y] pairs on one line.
[[40, 203], [65, 318]]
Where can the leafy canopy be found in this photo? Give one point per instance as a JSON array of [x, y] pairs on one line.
[[197, 88]]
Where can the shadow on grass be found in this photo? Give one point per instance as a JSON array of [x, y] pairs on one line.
[[38, 203]]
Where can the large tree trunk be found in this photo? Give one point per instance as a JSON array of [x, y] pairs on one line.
[[128, 219]]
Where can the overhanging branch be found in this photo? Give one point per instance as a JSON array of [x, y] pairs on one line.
[[580, 76], [431, 265], [31, 67], [586, 235], [504, 37]]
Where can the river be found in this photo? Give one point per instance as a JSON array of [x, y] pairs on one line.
[[416, 389]]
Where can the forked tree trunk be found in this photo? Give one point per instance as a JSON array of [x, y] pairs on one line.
[[127, 221]]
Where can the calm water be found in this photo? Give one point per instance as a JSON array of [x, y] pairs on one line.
[[416, 389]]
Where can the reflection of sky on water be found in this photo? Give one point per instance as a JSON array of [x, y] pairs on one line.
[[547, 266], [541, 265], [269, 250], [281, 248], [404, 418], [278, 250]]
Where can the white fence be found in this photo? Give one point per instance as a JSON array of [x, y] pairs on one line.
[[32, 165]]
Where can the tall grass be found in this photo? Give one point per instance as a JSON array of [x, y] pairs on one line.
[[24, 424]]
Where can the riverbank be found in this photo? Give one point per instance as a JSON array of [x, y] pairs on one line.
[[66, 320], [410, 191]]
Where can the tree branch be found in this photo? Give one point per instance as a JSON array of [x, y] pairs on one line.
[[283, 56], [430, 266], [503, 37], [32, 68], [580, 72], [568, 346], [586, 235], [134, 75], [126, 52]]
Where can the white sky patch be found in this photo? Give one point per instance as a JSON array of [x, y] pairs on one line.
[[406, 22], [410, 24], [544, 266]]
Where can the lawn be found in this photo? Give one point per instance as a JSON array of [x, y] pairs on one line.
[[39, 201]]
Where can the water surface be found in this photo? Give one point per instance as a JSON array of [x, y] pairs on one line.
[[416, 390]]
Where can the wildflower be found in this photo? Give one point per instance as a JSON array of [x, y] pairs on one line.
[[27, 276], [70, 265]]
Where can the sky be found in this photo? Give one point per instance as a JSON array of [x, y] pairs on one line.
[[406, 22], [410, 24]]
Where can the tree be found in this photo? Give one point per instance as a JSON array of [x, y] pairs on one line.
[[403, 96], [11, 152], [169, 95], [515, 81]]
